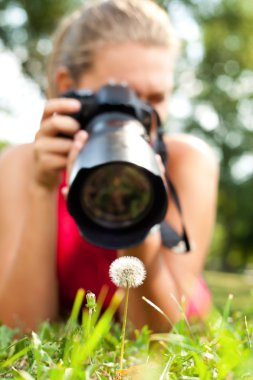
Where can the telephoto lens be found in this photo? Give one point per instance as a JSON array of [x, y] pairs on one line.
[[116, 190]]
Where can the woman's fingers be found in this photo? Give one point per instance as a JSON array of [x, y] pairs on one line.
[[79, 142], [51, 150], [58, 125], [56, 145], [56, 118], [60, 106]]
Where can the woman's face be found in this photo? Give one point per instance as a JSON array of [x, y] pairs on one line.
[[147, 69]]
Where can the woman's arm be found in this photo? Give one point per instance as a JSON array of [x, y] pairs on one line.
[[28, 286], [30, 176]]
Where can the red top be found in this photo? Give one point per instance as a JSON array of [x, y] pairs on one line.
[[84, 265], [79, 263]]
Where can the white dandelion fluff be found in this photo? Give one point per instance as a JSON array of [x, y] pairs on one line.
[[127, 271]]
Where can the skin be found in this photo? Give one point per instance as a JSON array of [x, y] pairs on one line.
[[32, 173]]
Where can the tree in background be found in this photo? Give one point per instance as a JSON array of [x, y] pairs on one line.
[[221, 113], [214, 82], [26, 27]]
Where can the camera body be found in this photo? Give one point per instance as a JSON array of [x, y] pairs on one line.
[[116, 190], [111, 98]]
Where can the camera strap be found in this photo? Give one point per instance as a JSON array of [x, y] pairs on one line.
[[170, 237]]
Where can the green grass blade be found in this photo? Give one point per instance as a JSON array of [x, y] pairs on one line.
[[80, 354], [76, 307], [16, 356]]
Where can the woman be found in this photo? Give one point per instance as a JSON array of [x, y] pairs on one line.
[[43, 259]]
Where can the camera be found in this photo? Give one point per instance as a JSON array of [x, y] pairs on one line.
[[116, 191]]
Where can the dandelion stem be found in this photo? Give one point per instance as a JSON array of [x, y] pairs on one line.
[[88, 326], [124, 327]]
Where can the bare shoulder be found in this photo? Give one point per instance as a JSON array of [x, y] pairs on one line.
[[16, 163], [17, 154], [190, 151]]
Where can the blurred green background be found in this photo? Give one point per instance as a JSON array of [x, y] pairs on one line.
[[213, 98]]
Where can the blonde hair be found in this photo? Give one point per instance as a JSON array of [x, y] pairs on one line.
[[100, 22]]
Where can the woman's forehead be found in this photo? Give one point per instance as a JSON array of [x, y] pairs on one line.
[[145, 68]]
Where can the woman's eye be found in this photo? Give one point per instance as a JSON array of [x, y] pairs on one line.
[[156, 99]]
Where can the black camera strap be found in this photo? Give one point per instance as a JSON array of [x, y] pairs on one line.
[[170, 237]]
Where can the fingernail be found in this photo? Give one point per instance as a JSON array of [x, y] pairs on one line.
[[81, 135], [75, 103], [78, 144]]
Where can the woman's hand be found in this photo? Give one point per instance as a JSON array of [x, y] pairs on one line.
[[79, 141], [53, 152]]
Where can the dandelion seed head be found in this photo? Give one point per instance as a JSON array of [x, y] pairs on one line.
[[127, 271]]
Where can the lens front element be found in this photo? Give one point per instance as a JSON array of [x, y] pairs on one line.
[[116, 195]]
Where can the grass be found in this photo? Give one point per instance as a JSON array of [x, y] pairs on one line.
[[240, 285], [218, 348]]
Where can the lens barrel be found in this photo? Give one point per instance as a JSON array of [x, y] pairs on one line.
[[116, 193]]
